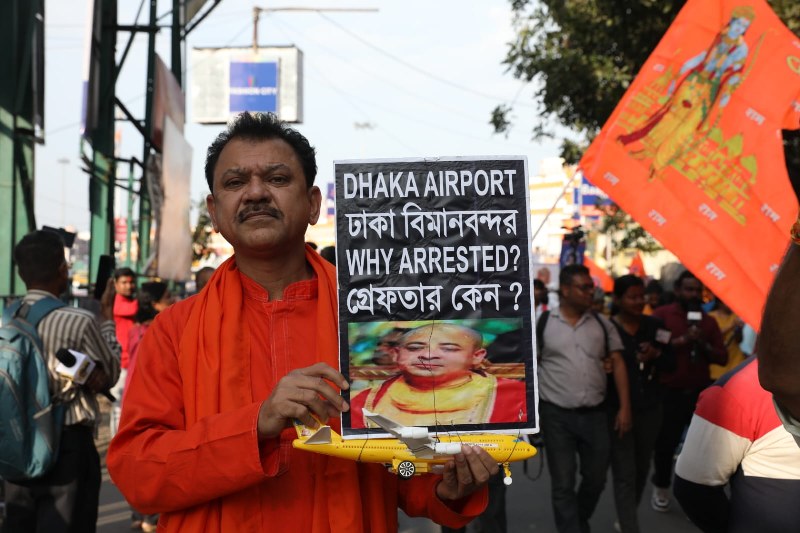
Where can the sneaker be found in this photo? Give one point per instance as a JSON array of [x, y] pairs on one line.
[[660, 500]]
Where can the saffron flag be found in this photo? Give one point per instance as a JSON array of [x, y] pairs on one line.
[[637, 266], [599, 276], [693, 150]]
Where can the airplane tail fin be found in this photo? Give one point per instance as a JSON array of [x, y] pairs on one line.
[[322, 435]]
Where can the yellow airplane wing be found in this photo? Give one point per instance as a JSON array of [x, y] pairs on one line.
[[416, 438]]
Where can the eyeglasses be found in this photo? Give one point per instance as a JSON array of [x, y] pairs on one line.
[[586, 287]]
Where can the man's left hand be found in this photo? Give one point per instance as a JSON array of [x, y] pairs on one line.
[[623, 422], [647, 352], [107, 301], [469, 471], [98, 380]]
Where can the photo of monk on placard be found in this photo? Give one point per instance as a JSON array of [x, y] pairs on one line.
[[440, 377]]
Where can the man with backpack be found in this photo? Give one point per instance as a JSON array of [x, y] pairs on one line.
[[65, 497], [574, 344]]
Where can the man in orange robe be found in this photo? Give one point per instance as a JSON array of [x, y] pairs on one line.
[[205, 435]]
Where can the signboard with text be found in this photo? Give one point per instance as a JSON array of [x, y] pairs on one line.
[[254, 86], [435, 293], [227, 81]]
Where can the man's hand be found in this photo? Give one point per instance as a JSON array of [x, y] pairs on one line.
[[302, 394], [694, 333], [98, 380], [469, 471], [647, 352], [107, 301], [623, 421]]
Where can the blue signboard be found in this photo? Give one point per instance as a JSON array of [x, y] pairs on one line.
[[253, 86], [589, 198]]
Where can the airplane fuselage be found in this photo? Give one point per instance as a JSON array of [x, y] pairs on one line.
[[502, 448]]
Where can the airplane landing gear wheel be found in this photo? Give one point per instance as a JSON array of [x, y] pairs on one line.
[[406, 469]]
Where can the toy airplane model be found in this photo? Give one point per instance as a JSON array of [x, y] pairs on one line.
[[413, 451]]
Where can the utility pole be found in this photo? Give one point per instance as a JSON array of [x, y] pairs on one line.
[[63, 161], [144, 196], [258, 10]]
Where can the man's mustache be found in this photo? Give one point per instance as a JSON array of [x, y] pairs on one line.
[[259, 209]]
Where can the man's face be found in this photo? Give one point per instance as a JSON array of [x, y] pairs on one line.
[[544, 275], [385, 348], [632, 302], [652, 299], [125, 286], [439, 351], [65, 277], [261, 203], [690, 292], [579, 293]]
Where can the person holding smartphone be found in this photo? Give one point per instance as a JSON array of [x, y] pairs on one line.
[[647, 355]]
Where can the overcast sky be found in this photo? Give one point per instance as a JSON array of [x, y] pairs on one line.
[[422, 75]]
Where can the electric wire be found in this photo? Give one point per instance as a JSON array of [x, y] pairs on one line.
[[393, 111], [371, 73], [412, 66]]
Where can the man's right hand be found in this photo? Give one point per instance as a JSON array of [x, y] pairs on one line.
[[303, 394], [107, 301], [694, 333]]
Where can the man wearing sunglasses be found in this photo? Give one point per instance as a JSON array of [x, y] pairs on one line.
[[575, 345]]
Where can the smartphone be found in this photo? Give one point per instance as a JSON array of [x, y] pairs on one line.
[[105, 270]]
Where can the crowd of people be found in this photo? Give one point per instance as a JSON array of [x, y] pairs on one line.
[[207, 387]]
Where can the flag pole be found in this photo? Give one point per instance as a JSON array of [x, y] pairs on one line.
[[563, 191]]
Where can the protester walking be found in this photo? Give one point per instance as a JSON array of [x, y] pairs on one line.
[[647, 355]]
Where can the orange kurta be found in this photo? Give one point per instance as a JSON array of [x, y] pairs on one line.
[[187, 445]]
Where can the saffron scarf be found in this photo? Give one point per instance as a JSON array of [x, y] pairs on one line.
[[215, 355]]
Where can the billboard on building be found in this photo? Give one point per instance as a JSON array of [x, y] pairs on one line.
[[168, 100], [253, 86], [226, 81], [174, 235], [91, 66]]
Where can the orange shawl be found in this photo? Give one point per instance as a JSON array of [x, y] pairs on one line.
[[215, 368]]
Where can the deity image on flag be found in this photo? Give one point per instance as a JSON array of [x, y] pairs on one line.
[[704, 84], [693, 150], [440, 373]]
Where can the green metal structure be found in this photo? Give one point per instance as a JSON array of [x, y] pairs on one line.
[[21, 121], [102, 170], [21, 117]]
